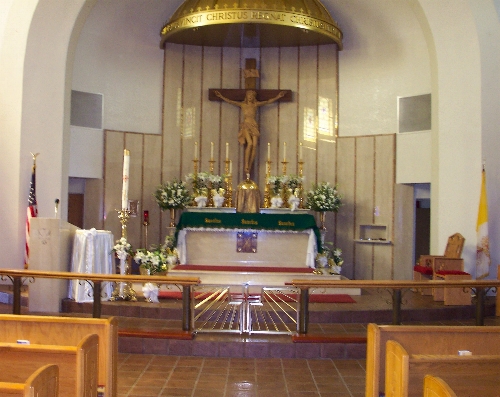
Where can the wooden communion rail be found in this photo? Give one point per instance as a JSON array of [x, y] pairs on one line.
[[395, 287]]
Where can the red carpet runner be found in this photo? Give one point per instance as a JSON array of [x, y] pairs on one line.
[[313, 298]]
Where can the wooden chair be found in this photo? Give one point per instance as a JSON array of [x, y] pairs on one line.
[[428, 265]]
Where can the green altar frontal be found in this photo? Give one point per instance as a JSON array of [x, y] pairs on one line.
[[284, 222], [214, 237]]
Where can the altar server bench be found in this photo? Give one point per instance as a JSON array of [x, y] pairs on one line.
[[428, 265], [52, 330], [405, 372], [44, 382], [424, 339], [77, 364]]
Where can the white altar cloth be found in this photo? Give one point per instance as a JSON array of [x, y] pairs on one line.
[[92, 253], [210, 246]]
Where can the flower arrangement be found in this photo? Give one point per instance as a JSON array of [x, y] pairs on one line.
[[155, 260], [324, 197], [122, 248], [330, 257], [173, 195], [158, 259], [276, 183], [202, 181], [217, 183], [199, 182], [293, 183]]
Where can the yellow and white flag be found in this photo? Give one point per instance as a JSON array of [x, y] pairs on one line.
[[483, 259]]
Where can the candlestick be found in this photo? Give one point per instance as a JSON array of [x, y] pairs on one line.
[[268, 151], [227, 151], [300, 151], [284, 151], [230, 167], [196, 151], [146, 224], [211, 150], [126, 171]]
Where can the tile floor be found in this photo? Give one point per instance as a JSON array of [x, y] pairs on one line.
[[142, 375]]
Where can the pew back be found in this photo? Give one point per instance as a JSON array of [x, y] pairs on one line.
[[437, 387], [43, 383], [52, 330], [405, 372], [424, 340], [78, 364]]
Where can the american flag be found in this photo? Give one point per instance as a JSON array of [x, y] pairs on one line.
[[32, 212]]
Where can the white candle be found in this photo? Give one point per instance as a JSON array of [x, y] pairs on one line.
[[211, 150], [300, 151], [231, 167], [284, 151], [227, 151], [196, 150], [268, 151], [126, 168]]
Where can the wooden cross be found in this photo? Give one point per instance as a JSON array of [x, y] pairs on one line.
[[251, 74]]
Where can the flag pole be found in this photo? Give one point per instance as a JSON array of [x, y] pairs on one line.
[[32, 210]]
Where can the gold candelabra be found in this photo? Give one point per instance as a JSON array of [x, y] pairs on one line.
[[228, 179], [211, 165], [283, 168], [267, 188], [301, 187], [124, 290]]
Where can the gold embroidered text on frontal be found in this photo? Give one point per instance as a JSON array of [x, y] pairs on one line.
[[287, 223], [214, 220], [249, 222]]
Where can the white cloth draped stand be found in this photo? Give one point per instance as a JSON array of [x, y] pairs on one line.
[[92, 253]]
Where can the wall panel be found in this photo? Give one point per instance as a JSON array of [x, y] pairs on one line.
[[383, 203], [211, 109], [308, 99], [150, 181], [346, 217], [270, 69], [365, 184], [172, 112], [288, 111], [191, 93], [229, 69]]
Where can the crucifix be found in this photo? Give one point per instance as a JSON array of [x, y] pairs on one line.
[[248, 100]]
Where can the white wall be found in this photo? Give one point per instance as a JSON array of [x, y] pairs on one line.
[[385, 56], [119, 56]]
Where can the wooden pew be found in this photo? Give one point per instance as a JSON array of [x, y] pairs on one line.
[[44, 382], [69, 331], [405, 372], [476, 384], [436, 387], [78, 364], [424, 340]]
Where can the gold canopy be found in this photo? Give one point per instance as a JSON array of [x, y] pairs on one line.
[[251, 23]]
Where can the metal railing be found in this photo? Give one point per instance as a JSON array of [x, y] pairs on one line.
[[19, 277], [478, 287]]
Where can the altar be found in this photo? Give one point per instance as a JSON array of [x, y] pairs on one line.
[[248, 240], [280, 247]]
